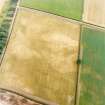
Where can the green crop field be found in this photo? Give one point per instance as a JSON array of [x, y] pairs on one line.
[[67, 8], [93, 67]]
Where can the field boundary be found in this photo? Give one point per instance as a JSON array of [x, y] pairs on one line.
[[9, 33], [69, 19]]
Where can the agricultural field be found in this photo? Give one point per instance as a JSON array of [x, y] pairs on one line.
[[94, 12], [90, 11], [2, 2], [41, 59], [67, 8], [55, 51], [92, 80]]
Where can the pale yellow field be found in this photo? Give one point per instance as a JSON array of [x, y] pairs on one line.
[[2, 2], [94, 12], [41, 57]]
